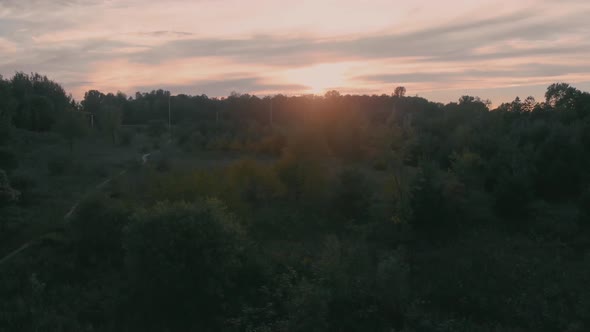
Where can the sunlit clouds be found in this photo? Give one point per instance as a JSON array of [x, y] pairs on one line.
[[436, 49]]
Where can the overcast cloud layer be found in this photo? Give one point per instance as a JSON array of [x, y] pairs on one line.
[[494, 49]]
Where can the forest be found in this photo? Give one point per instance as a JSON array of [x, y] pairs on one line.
[[161, 212]]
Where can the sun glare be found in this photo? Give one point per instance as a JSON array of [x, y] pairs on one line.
[[319, 78]]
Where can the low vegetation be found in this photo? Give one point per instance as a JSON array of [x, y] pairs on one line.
[[338, 213]]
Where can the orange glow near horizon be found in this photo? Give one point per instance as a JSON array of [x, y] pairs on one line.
[[439, 50], [319, 78]]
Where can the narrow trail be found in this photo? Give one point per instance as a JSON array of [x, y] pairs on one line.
[[99, 186], [144, 160], [15, 252]]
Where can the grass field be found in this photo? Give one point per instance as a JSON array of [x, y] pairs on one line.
[[52, 178]]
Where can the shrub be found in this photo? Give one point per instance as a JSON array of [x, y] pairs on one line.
[[8, 159], [163, 164], [126, 137], [271, 144], [26, 184], [58, 165], [7, 193], [155, 145], [183, 262], [101, 170], [183, 134], [352, 195], [96, 229], [380, 164], [198, 140], [156, 128], [5, 127], [252, 183], [134, 164], [584, 209]]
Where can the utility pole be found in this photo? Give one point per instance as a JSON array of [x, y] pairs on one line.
[[91, 115], [169, 117]]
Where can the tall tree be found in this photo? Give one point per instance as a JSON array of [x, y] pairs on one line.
[[39, 101], [92, 101], [7, 109], [400, 91], [529, 104], [561, 95]]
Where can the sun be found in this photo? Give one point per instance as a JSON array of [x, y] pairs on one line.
[[319, 78]]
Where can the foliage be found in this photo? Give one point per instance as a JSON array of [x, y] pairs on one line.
[[5, 126], [38, 101], [126, 136], [96, 230], [59, 164], [346, 213], [109, 119], [156, 128], [400, 91], [8, 159], [7, 193], [253, 184], [71, 126], [182, 258], [353, 195]]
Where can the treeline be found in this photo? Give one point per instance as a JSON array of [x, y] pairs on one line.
[[34, 102]]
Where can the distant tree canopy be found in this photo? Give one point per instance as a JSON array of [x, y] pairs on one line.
[[400, 91], [32, 101]]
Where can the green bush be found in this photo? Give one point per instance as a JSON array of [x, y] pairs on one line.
[[7, 193], [8, 159], [163, 164], [155, 145], [156, 128], [584, 209], [352, 195], [126, 137], [6, 129], [26, 184], [96, 229], [134, 164], [59, 165], [183, 262], [100, 170], [197, 140], [380, 164]]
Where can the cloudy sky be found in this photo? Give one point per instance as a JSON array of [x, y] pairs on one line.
[[437, 49]]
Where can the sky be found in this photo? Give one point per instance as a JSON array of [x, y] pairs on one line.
[[439, 50]]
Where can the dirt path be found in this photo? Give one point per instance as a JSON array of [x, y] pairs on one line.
[[144, 159], [99, 186], [15, 252]]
